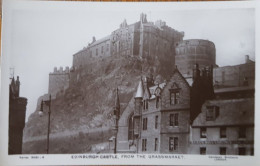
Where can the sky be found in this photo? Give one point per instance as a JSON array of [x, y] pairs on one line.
[[44, 35]]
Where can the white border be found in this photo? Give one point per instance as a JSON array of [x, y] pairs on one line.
[[9, 6]]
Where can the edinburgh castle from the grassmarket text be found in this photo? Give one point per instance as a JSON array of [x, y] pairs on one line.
[[143, 89]]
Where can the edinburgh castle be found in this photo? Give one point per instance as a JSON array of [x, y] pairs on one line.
[[170, 94]]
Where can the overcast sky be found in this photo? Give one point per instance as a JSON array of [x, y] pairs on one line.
[[47, 34]]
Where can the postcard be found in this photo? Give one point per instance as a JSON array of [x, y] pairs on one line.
[[109, 83]]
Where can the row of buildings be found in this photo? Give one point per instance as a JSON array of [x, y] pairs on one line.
[[184, 116]]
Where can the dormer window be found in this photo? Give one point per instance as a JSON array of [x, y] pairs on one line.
[[212, 113]]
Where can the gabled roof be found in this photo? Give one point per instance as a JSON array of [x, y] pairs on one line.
[[232, 112]]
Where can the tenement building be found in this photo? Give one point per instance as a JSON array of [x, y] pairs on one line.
[[17, 111], [224, 127]]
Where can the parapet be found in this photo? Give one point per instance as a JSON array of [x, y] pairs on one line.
[[60, 71]]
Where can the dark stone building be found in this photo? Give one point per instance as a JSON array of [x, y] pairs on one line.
[[158, 119], [17, 110]]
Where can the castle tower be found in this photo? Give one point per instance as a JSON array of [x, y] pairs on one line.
[[194, 51], [138, 108]]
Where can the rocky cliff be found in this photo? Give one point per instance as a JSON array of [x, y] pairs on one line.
[[89, 100]]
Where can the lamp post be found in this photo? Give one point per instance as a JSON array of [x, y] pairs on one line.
[[48, 103], [116, 118]]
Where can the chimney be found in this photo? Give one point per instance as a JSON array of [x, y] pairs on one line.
[[196, 72], [247, 58]]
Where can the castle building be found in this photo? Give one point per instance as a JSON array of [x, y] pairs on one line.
[[157, 120], [17, 111], [141, 39], [58, 81]]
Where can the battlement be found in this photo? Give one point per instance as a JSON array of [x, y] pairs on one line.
[[61, 71]]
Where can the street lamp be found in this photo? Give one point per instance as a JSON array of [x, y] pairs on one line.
[[116, 118], [48, 103]]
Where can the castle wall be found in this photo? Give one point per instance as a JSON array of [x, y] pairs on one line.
[[122, 40], [144, 39], [58, 81], [194, 51], [99, 48]]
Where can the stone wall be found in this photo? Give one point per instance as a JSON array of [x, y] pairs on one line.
[[58, 81]]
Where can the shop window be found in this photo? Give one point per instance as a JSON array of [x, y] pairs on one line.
[[202, 150], [222, 150]]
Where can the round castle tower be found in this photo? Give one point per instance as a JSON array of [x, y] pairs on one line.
[[194, 51]]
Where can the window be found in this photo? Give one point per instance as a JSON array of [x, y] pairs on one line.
[[242, 151], [102, 49], [174, 121], [131, 127], [242, 132], [155, 144], [223, 132], [156, 122], [97, 52], [144, 142], [252, 151], [173, 143], [107, 47], [203, 132], [203, 150], [174, 98], [157, 101], [145, 104], [222, 150], [144, 123], [212, 113]]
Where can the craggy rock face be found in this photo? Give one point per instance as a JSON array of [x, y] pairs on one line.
[[89, 100]]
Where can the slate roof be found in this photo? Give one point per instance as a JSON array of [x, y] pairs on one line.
[[234, 89], [232, 112]]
